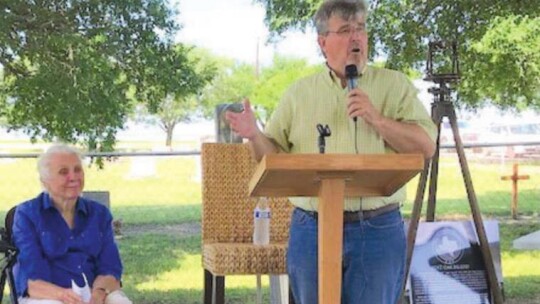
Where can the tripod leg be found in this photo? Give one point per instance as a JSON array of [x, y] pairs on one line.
[[433, 179], [413, 224], [475, 210], [437, 113]]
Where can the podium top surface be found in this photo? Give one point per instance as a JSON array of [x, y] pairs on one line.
[[365, 175]]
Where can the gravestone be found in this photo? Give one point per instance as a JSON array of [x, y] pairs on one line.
[[224, 133], [104, 197], [528, 242], [142, 167]]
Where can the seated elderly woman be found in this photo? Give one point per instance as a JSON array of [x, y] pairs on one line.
[[67, 252]]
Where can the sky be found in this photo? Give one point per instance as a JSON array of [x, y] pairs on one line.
[[232, 28]]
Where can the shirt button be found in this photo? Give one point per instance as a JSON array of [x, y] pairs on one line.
[[71, 237], [79, 266]]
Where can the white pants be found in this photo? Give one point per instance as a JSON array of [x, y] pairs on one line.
[[115, 297]]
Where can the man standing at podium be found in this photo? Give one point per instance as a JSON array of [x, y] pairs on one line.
[[378, 113]]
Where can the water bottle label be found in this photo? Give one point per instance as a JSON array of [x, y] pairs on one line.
[[262, 214]]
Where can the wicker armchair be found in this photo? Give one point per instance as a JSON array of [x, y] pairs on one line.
[[227, 221]]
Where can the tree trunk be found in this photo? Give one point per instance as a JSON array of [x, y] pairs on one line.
[[169, 131]]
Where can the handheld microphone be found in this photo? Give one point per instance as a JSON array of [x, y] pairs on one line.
[[351, 73]]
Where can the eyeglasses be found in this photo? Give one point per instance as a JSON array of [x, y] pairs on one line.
[[349, 31]]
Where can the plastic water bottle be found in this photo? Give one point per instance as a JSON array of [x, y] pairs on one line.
[[261, 223]]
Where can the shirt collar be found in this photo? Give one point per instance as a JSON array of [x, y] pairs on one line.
[[81, 205], [47, 202], [333, 77]]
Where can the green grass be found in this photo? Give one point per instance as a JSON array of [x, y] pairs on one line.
[[493, 194], [520, 273], [169, 271], [166, 268], [172, 184]]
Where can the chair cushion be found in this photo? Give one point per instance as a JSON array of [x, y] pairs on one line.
[[245, 258]]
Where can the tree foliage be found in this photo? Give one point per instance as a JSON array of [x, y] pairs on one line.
[[276, 79], [507, 68], [400, 30], [171, 101], [233, 82], [69, 64], [236, 81]]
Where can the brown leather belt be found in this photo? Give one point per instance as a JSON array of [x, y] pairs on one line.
[[355, 216]]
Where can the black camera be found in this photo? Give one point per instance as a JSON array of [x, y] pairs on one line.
[[442, 64]]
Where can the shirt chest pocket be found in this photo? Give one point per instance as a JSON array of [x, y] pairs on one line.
[[90, 241], [53, 244], [87, 242]]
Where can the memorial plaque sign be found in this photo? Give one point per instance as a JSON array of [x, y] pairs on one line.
[[447, 266]]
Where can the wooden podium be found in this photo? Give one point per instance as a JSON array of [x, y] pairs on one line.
[[332, 177]]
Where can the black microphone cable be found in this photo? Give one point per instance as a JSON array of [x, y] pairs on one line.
[[355, 137]]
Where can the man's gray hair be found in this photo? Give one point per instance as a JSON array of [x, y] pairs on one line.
[[345, 9], [44, 160]]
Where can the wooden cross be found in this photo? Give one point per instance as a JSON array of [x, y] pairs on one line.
[[515, 178]]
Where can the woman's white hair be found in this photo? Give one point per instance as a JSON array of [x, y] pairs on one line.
[[44, 160]]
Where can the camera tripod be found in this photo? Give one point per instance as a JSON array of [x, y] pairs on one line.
[[440, 108]]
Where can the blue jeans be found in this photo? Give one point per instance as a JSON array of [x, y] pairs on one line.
[[374, 253]]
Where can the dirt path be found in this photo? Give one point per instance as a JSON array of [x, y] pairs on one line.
[[184, 230]]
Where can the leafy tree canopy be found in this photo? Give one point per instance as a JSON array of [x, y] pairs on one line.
[[236, 81], [276, 79], [171, 101], [69, 64], [400, 30], [507, 69], [233, 82]]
